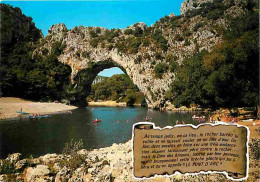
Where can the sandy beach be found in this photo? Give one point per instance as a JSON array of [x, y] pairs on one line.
[[106, 103], [9, 106], [109, 104]]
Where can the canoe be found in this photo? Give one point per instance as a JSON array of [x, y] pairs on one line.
[[96, 120], [21, 112], [41, 116]]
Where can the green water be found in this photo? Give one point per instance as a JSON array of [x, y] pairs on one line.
[[38, 137]]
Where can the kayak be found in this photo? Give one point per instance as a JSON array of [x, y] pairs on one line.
[[148, 119], [197, 117], [21, 112], [41, 116], [96, 120]]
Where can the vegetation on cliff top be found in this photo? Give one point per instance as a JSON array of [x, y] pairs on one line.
[[226, 76], [22, 74]]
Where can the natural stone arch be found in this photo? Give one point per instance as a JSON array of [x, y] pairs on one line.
[[86, 62], [85, 77], [82, 52]]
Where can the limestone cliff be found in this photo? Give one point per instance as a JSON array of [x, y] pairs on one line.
[[148, 55]]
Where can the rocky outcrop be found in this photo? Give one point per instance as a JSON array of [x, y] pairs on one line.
[[192, 4], [110, 164], [138, 50]]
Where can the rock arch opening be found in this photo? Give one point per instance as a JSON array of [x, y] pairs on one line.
[[116, 87]]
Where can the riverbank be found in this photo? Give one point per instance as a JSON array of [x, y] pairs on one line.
[[112, 163], [109, 104], [9, 106]]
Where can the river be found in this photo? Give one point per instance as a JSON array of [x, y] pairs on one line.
[[38, 137]]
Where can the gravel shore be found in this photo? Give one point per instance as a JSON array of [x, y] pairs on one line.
[[9, 106]]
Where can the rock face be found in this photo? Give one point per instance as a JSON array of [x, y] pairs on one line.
[[38, 173], [138, 51], [108, 164], [191, 4]]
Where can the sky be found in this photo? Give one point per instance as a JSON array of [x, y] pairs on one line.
[[106, 13]]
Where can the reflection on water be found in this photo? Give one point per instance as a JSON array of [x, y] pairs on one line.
[[38, 137]]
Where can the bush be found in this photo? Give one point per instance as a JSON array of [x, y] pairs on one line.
[[128, 31], [197, 26], [174, 66], [178, 37], [158, 56], [73, 160], [146, 42], [86, 54], [163, 43], [160, 69], [170, 58], [110, 35], [175, 22], [93, 34], [130, 100], [138, 32], [98, 30], [186, 42], [134, 45], [211, 10], [94, 42], [138, 60], [7, 167]]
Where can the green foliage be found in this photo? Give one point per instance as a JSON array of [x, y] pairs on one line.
[[186, 42], [158, 56], [178, 37], [197, 26], [23, 75], [72, 147], [173, 66], [211, 10], [186, 32], [94, 42], [160, 69], [128, 31], [138, 60], [228, 76], [130, 99], [93, 33], [163, 43], [130, 45], [146, 42], [110, 35], [86, 54], [137, 32], [7, 167], [117, 88], [15, 30], [98, 30], [73, 159], [175, 22]]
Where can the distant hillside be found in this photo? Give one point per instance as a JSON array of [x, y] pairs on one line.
[[116, 88], [99, 79]]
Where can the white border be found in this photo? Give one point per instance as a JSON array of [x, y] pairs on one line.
[[193, 126]]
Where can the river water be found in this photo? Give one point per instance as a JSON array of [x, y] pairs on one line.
[[38, 137]]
